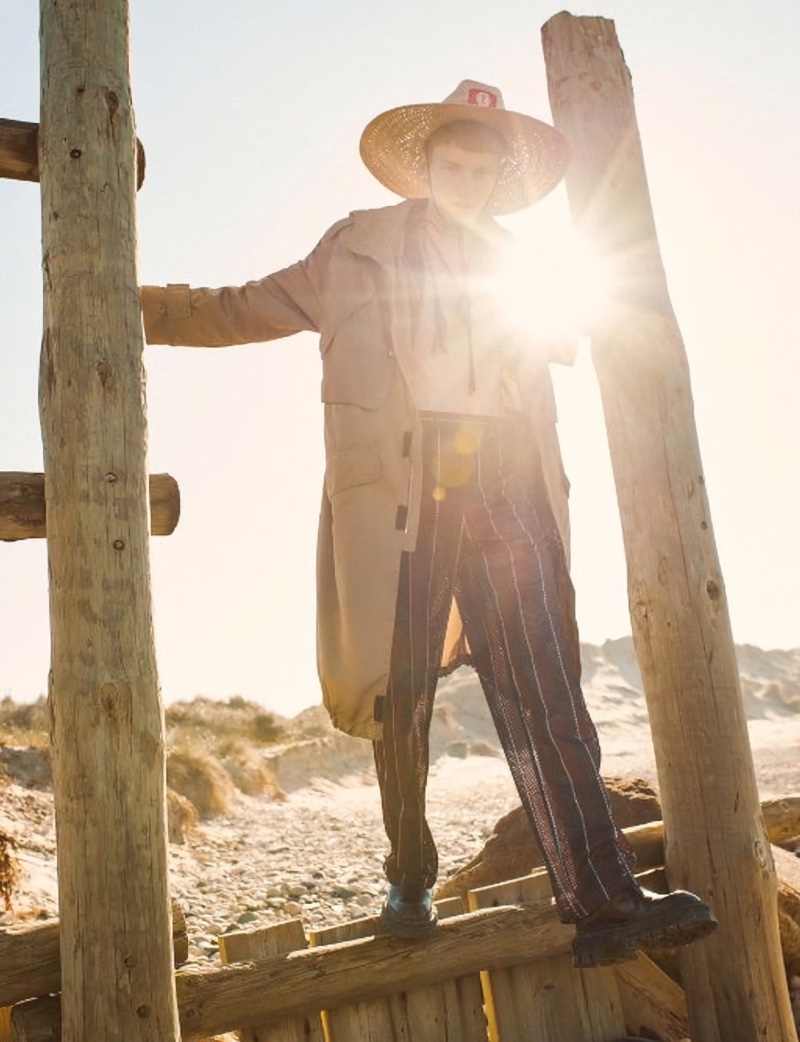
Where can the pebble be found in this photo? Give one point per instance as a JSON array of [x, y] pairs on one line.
[[327, 866]]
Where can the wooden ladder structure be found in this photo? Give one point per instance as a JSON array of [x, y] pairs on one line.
[[108, 733]]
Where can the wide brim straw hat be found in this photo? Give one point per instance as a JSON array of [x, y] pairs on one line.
[[393, 146]]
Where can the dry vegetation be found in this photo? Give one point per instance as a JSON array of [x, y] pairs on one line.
[[25, 724], [214, 751], [9, 869]]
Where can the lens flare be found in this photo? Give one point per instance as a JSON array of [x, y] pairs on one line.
[[557, 291]]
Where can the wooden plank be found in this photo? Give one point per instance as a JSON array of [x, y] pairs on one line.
[[546, 1000], [37, 1020], [337, 975], [448, 1010], [266, 943], [19, 159], [653, 1005], [213, 1001], [679, 612], [30, 958], [23, 511]]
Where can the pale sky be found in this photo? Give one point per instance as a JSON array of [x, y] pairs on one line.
[[250, 115]]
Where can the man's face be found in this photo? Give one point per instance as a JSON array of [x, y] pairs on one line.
[[462, 181]]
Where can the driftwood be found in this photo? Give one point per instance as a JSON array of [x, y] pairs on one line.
[[19, 158], [308, 981], [30, 959], [23, 511]]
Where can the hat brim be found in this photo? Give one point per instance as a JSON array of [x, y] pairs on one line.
[[393, 150]]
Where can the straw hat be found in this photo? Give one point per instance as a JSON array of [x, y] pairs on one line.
[[393, 146]]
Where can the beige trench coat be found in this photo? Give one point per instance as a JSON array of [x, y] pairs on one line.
[[352, 290]]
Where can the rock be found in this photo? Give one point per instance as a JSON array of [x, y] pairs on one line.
[[788, 872], [331, 758], [512, 849]]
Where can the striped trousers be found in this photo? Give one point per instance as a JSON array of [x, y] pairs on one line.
[[488, 539]]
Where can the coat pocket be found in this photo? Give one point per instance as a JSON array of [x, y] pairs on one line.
[[351, 468], [357, 363]]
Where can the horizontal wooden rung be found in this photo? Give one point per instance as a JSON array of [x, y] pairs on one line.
[[19, 152], [23, 511]]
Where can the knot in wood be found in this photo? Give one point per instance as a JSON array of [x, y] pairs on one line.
[[119, 544], [106, 373], [763, 856], [108, 697], [712, 589], [111, 478], [75, 153], [143, 1011]]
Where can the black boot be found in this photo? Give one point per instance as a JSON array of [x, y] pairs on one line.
[[637, 919], [408, 911]]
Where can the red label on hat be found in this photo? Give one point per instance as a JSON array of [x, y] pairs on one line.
[[484, 99]]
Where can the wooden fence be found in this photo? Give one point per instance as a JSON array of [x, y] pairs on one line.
[[498, 971]]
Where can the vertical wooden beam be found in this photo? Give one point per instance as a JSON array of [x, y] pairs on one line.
[[716, 845], [108, 745]]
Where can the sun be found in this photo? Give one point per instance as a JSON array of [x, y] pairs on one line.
[[556, 290]]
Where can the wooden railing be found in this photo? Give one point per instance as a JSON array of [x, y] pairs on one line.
[[497, 969]]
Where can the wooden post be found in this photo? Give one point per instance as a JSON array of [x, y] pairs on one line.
[[716, 846], [108, 744]]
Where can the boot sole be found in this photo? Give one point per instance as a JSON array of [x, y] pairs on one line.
[[619, 942], [409, 929]]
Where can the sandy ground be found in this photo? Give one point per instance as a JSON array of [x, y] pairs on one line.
[[336, 830]]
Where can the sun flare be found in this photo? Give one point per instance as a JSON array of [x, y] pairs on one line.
[[558, 292]]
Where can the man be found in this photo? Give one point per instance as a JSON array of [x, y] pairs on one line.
[[438, 541]]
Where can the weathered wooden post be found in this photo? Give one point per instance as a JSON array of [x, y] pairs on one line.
[[716, 845], [109, 768]]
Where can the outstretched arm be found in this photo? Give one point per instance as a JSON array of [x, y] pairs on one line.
[[276, 306]]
